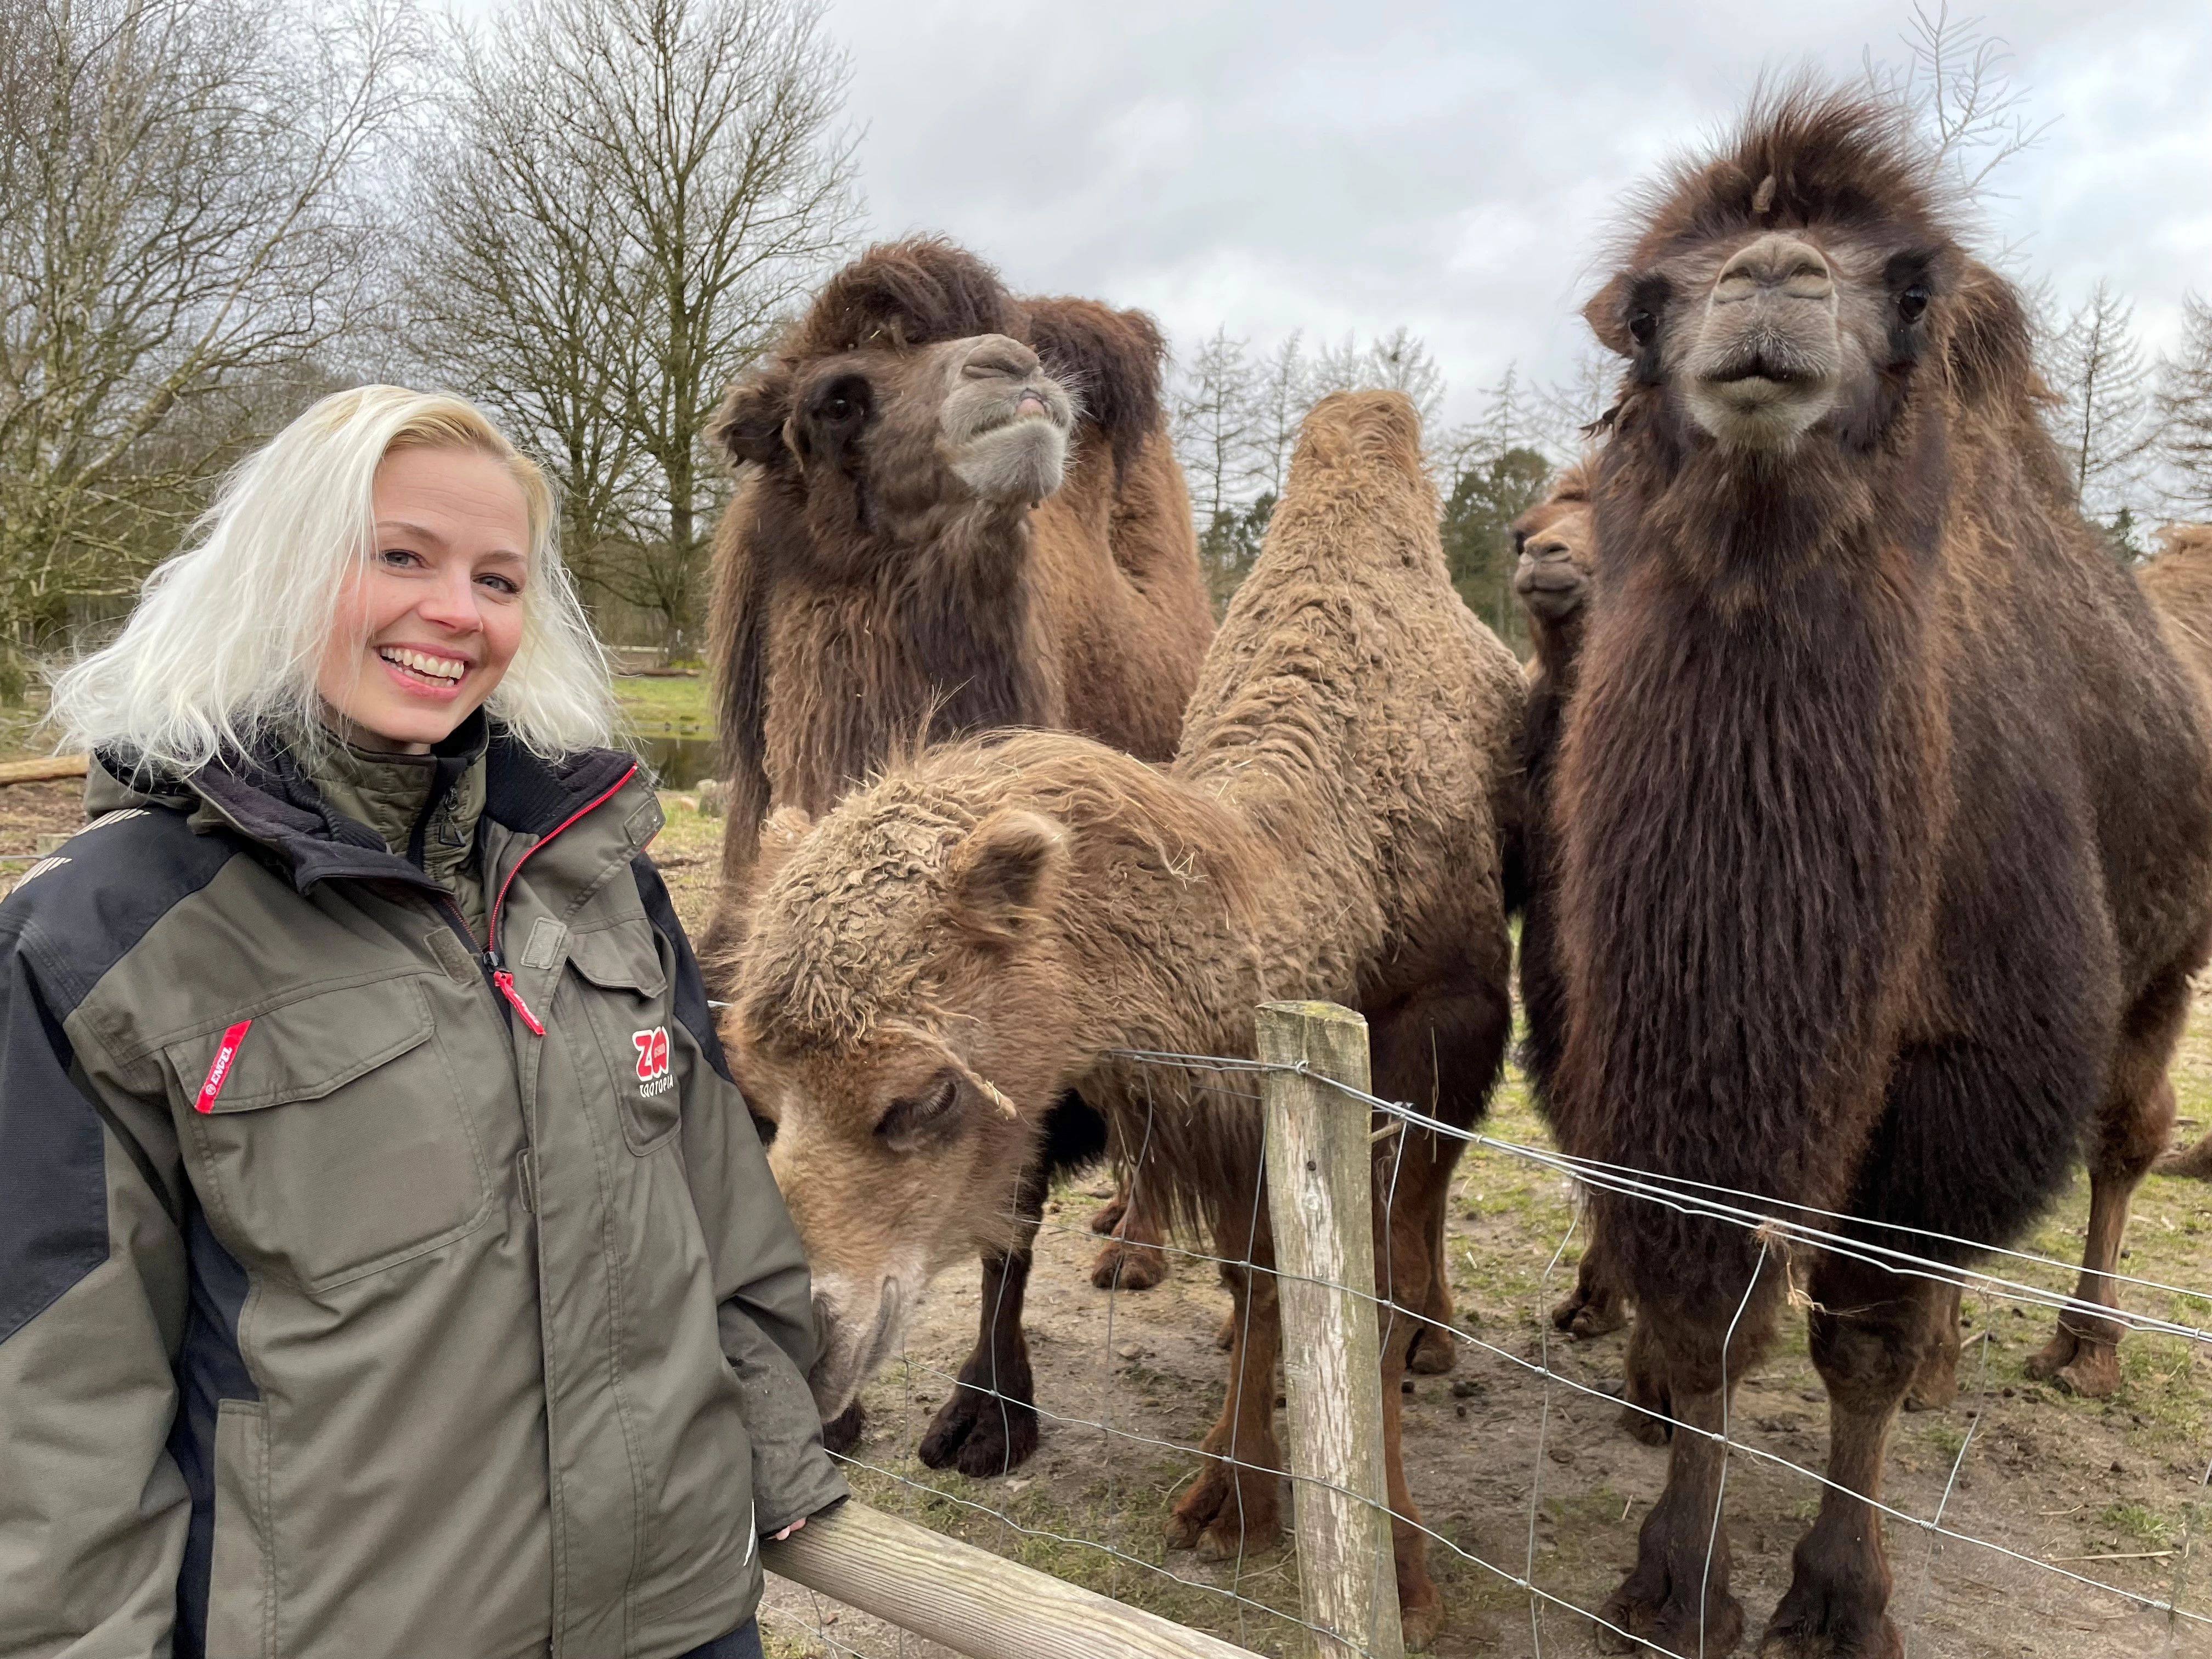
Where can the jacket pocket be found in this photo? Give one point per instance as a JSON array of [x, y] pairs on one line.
[[241, 1588], [625, 993], [337, 1143]]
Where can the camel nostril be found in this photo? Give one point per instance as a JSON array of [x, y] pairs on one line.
[[1775, 261]]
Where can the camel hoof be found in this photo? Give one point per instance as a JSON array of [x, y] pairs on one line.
[[1422, 1624], [1582, 1314], [1123, 1266], [1434, 1352], [1802, 1638], [980, 1434], [1225, 1338], [2191, 1163], [2077, 1364], [1671, 1626], [843, 1432], [1107, 1216], [1642, 1427], [1933, 1390]]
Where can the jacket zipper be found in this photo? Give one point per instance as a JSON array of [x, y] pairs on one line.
[[494, 965]]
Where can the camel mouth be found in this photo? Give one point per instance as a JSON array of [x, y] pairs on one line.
[[855, 1338], [1009, 453]]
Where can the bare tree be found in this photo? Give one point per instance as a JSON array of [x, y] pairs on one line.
[[1397, 362], [184, 228], [2182, 402], [1282, 392], [2103, 420], [681, 173], [1214, 425], [1956, 83]]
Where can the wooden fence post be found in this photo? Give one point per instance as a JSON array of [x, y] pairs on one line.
[[1321, 1204]]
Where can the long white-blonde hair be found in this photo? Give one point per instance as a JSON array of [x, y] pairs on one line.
[[224, 645]]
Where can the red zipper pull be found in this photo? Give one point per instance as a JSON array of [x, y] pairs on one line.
[[505, 980]]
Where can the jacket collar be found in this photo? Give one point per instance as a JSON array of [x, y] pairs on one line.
[[266, 797]]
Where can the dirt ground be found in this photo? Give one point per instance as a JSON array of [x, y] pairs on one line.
[[1525, 1479]]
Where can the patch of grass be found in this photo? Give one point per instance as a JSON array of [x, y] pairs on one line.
[[674, 706], [2138, 1525]]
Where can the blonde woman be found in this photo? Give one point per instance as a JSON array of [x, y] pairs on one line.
[[387, 1264]]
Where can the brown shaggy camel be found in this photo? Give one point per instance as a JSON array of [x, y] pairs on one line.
[[1884, 822], [1555, 548], [2179, 582], [952, 948], [961, 512]]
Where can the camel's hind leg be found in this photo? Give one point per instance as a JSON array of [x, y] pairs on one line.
[[1235, 1503], [1597, 1306], [2133, 1123]]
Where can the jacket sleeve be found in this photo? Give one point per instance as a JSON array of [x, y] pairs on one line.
[[766, 1297], [94, 1510]]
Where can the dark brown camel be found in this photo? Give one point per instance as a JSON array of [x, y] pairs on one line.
[[1555, 543], [1884, 813], [961, 513]]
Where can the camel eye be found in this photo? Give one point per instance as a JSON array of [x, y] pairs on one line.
[[1642, 325], [837, 407], [1912, 302], [911, 1117]]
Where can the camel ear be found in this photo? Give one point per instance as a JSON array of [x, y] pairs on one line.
[[1604, 314], [750, 423], [998, 879]]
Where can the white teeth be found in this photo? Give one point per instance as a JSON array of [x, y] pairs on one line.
[[430, 668]]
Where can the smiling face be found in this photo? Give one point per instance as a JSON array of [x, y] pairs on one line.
[[427, 627]]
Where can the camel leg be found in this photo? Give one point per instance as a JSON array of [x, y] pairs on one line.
[[1597, 1306], [1235, 1503], [1868, 1331], [1408, 1243], [2133, 1123], [989, 1424], [2192, 1163], [1435, 1350], [1936, 1384], [1671, 1594]]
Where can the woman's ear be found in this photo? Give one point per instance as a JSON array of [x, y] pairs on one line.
[[1000, 876]]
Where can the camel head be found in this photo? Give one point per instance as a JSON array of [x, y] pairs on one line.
[[1556, 546], [902, 1015], [1802, 287], [899, 403]]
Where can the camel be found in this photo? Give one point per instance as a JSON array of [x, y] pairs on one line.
[[958, 511], [936, 960], [2178, 583], [1555, 547], [1881, 818]]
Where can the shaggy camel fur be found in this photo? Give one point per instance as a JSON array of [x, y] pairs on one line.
[[1884, 814], [914, 550], [936, 962]]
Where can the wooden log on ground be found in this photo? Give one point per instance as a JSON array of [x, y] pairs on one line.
[[45, 768], [971, 1600], [1320, 1203]]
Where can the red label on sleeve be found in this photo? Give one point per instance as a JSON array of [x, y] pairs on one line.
[[219, 1069]]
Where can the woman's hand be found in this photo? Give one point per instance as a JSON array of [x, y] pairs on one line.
[[788, 1531]]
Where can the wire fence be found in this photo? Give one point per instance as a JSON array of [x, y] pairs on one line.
[[2017, 1521]]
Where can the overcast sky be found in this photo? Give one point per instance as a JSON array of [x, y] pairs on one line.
[[1452, 168]]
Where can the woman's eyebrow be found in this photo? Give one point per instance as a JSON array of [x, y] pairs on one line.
[[422, 531]]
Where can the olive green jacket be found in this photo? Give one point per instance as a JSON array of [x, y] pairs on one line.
[[364, 1294]]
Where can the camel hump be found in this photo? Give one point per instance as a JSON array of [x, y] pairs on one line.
[[914, 292], [1109, 361], [1362, 431]]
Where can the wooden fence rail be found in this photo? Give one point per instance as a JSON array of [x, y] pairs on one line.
[[973, 1602]]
